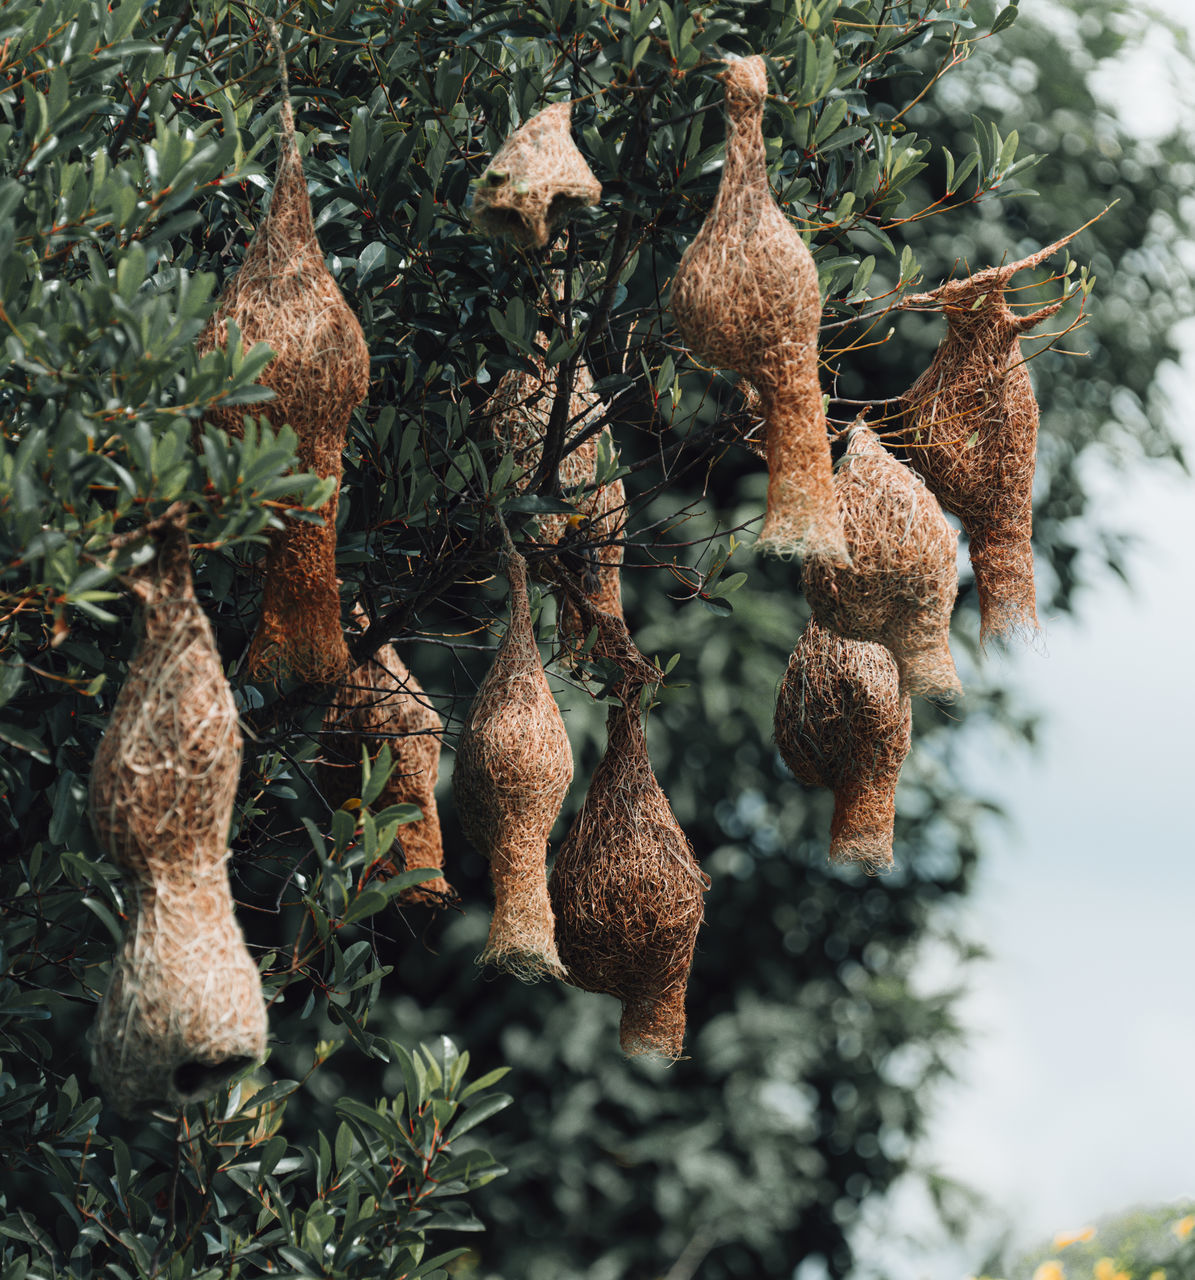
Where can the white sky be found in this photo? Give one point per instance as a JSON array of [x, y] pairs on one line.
[[1075, 1097]]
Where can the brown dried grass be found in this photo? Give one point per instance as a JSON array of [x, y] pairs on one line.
[[628, 893], [382, 702], [513, 769], [746, 298], [843, 723], [284, 295], [183, 1011], [535, 181], [519, 413], [903, 579], [971, 429]]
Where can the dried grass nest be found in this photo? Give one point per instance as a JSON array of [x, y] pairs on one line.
[[843, 723], [183, 1011], [746, 298], [534, 182], [382, 702], [628, 893], [513, 769], [903, 579], [971, 430], [589, 543], [284, 295]]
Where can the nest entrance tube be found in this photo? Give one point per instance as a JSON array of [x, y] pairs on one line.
[[842, 723], [628, 892], [745, 297], [534, 182], [971, 424], [513, 769], [903, 579], [284, 295], [183, 1010]]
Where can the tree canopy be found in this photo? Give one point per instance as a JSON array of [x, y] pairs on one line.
[[138, 150]]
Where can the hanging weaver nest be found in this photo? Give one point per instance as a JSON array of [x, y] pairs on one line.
[[627, 893], [971, 429], [382, 702], [513, 769], [183, 1011], [535, 181], [284, 295], [746, 298], [903, 580], [588, 543], [843, 723]]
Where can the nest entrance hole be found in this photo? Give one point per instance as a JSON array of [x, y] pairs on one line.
[[196, 1079]]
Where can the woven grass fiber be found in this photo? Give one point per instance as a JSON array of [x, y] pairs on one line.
[[183, 1011], [519, 412], [382, 702], [535, 181], [843, 723], [971, 430], [901, 585], [284, 295], [746, 298], [513, 769], [628, 893]]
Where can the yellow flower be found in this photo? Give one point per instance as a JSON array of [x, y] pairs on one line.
[[1065, 1238], [1159, 1274], [1051, 1270], [1184, 1226], [1105, 1269]]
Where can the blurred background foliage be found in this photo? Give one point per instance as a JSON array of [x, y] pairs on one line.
[[138, 143]]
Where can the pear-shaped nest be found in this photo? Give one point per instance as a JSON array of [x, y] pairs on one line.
[[903, 579], [284, 295], [513, 769], [382, 702], [628, 894], [745, 298], [843, 723], [183, 1010]]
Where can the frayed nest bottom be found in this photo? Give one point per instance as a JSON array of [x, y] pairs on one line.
[[1003, 570], [522, 930], [654, 1026]]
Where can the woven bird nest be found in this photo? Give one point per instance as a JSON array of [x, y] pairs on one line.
[[535, 181], [843, 723], [513, 769], [284, 295], [901, 586], [971, 430], [183, 1011], [589, 542], [382, 702], [628, 894], [746, 298]]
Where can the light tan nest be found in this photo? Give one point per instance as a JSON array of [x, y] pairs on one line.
[[535, 181], [902, 583], [746, 298], [971, 430], [183, 1011], [589, 543], [513, 769], [382, 702], [284, 295], [843, 723], [628, 893]]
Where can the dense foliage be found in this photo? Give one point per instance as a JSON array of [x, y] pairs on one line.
[[137, 149]]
